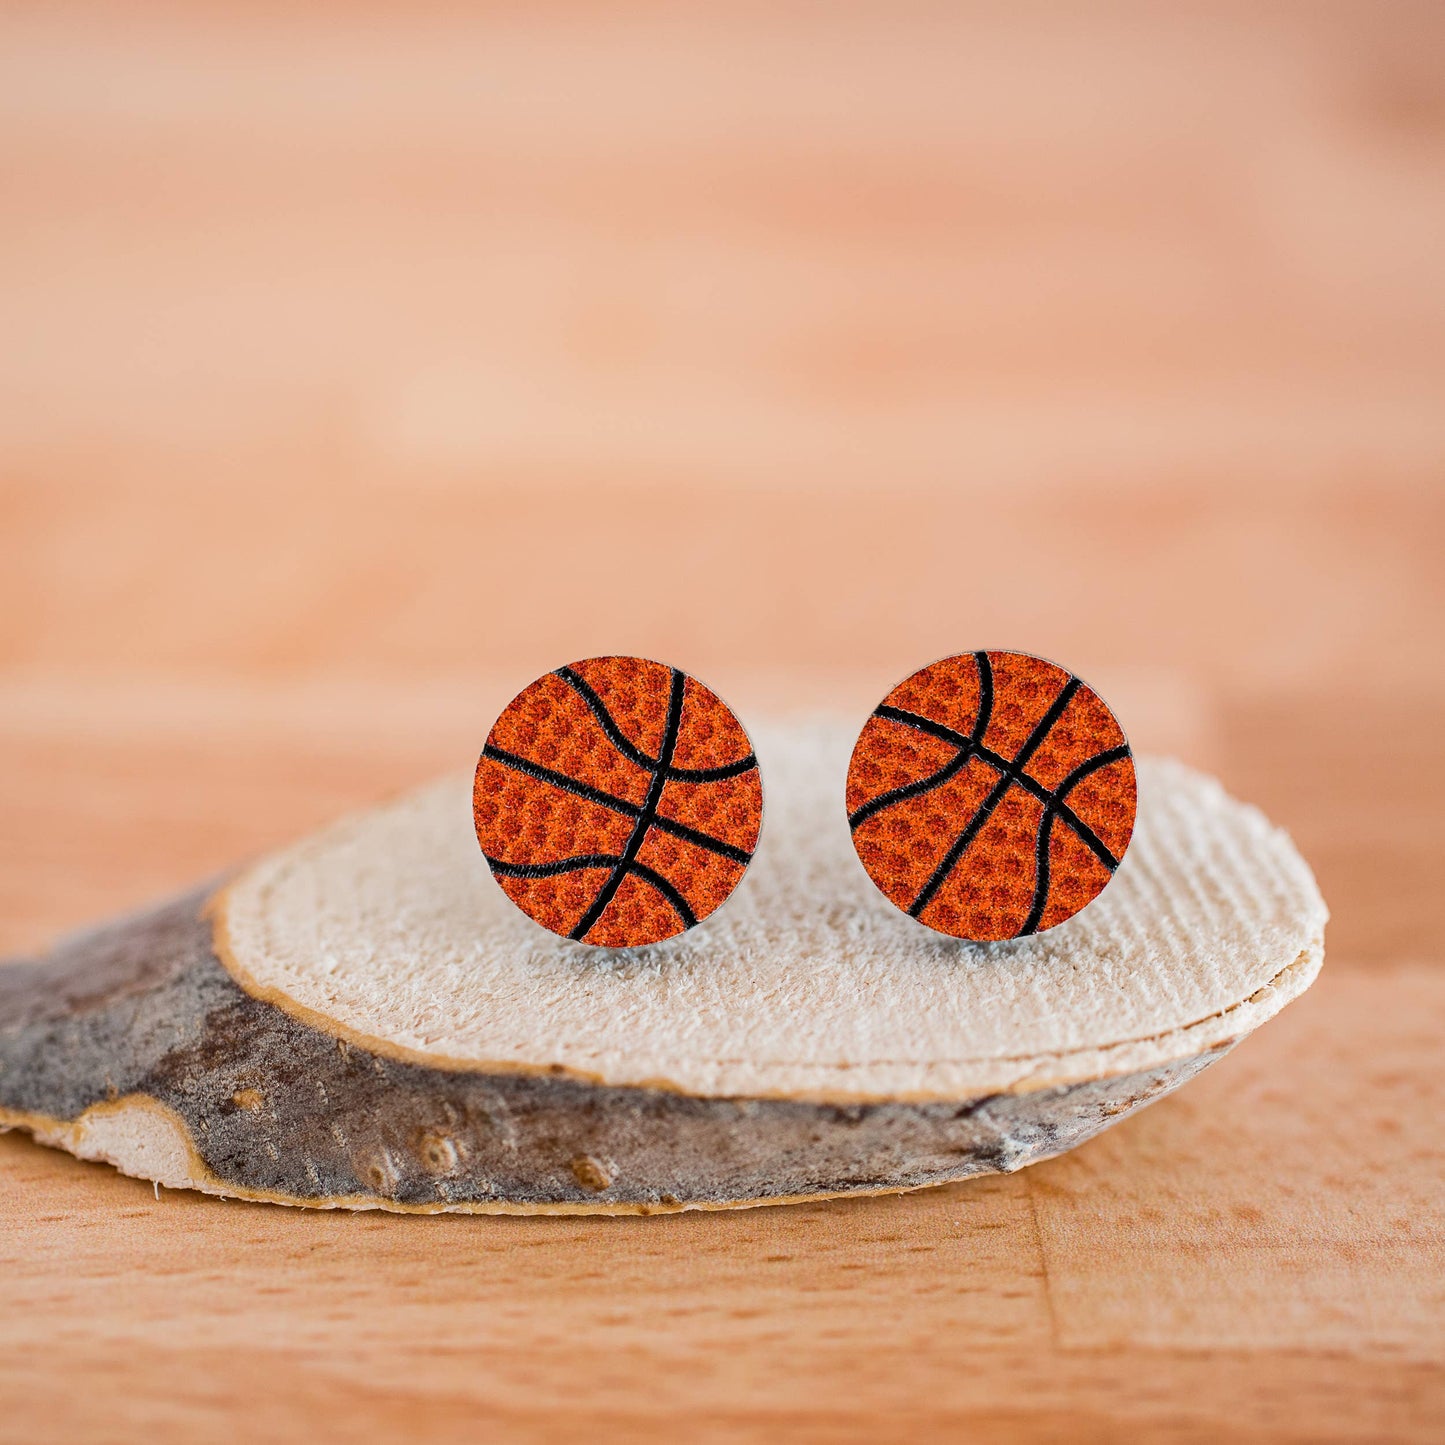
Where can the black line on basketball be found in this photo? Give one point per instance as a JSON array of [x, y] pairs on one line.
[[561, 780], [606, 893], [1051, 798], [615, 735], [620, 805], [554, 869], [1031, 746], [634, 754], [673, 895]]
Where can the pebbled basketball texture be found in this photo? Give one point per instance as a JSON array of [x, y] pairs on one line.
[[991, 795], [617, 801]]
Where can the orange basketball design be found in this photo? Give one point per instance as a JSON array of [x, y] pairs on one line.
[[617, 801], [991, 795]]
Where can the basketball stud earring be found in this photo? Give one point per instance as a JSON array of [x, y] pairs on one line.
[[991, 795], [617, 801]]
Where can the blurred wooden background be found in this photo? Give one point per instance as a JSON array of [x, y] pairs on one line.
[[360, 363]]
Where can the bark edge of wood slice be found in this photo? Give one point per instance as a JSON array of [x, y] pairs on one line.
[[363, 1020]]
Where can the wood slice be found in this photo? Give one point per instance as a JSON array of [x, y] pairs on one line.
[[364, 1021]]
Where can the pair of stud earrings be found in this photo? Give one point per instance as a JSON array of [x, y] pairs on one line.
[[990, 795]]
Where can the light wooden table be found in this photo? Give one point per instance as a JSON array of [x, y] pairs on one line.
[[359, 367]]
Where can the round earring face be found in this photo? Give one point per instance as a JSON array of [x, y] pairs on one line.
[[617, 801], [991, 795]]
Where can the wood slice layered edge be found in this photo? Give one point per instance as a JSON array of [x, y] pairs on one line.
[[142, 1045], [134, 1046]]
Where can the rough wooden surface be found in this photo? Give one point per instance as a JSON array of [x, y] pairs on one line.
[[134, 1046], [422, 1052], [310, 336]]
